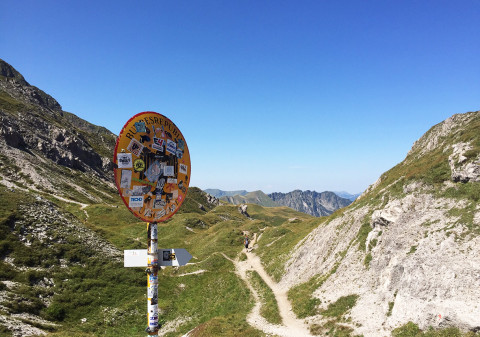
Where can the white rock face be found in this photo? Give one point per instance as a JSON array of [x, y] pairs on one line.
[[421, 263], [462, 169]]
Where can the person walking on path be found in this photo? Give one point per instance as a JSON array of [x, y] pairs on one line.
[[246, 242]]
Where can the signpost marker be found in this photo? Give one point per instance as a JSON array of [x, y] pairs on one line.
[[152, 171]]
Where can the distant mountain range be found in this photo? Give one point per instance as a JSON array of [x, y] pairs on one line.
[[219, 193], [255, 197], [310, 202], [347, 195]]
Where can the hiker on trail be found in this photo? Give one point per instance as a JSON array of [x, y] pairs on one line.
[[246, 242]]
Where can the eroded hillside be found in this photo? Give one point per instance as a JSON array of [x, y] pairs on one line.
[[407, 249]]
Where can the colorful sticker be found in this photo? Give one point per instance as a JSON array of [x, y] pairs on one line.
[[168, 171], [135, 147], [159, 204], [180, 144], [126, 180], [171, 146], [124, 160], [140, 127], [136, 201], [183, 169], [160, 183], [152, 290], [179, 154], [138, 190], [171, 181], [158, 144], [152, 279], [154, 171], [139, 165], [160, 214]]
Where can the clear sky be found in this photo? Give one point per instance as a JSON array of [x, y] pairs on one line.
[[271, 95]]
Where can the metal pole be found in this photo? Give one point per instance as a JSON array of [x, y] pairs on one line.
[[152, 281]]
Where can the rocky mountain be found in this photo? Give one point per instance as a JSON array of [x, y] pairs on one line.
[[310, 202], [255, 197], [407, 251], [35, 132], [219, 193]]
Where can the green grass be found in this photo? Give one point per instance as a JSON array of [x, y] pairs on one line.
[[367, 260], [280, 235], [340, 307], [390, 308], [331, 328], [363, 232], [108, 290], [304, 304], [412, 330], [232, 325], [301, 296], [269, 309], [336, 312]]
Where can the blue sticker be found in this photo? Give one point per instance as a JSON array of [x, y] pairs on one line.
[[140, 126], [181, 144], [171, 146]]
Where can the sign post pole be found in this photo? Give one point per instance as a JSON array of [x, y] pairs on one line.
[[152, 279], [152, 173]]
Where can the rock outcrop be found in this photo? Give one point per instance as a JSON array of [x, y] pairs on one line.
[[36, 136], [410, 246]]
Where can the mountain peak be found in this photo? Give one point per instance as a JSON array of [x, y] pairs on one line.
[[15, 85]]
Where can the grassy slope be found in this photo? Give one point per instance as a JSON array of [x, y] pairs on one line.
[[112, 298]]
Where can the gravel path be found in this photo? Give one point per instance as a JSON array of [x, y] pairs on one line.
[[292, 326]]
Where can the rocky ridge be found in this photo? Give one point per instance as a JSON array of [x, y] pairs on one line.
[[409, 246], [310, 202], [41, 146]]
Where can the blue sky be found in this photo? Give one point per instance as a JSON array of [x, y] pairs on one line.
[[271, 95]]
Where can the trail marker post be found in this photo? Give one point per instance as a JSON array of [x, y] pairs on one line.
[[152, 170]]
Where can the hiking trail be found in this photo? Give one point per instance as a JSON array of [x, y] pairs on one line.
[[292, 326]]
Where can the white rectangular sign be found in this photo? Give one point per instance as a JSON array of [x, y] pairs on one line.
[[135, 258], [138, 257]]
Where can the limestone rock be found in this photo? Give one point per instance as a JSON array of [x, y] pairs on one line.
[[243, 210], [423, 248]]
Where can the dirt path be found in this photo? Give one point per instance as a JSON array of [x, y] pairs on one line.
[[291, 327]]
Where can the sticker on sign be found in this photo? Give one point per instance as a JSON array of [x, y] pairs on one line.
[[136, 201]]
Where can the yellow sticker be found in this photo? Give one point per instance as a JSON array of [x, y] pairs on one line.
[[152, 166], [139, 165]]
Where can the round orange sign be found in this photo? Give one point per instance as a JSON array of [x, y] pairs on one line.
[[152, 166]]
